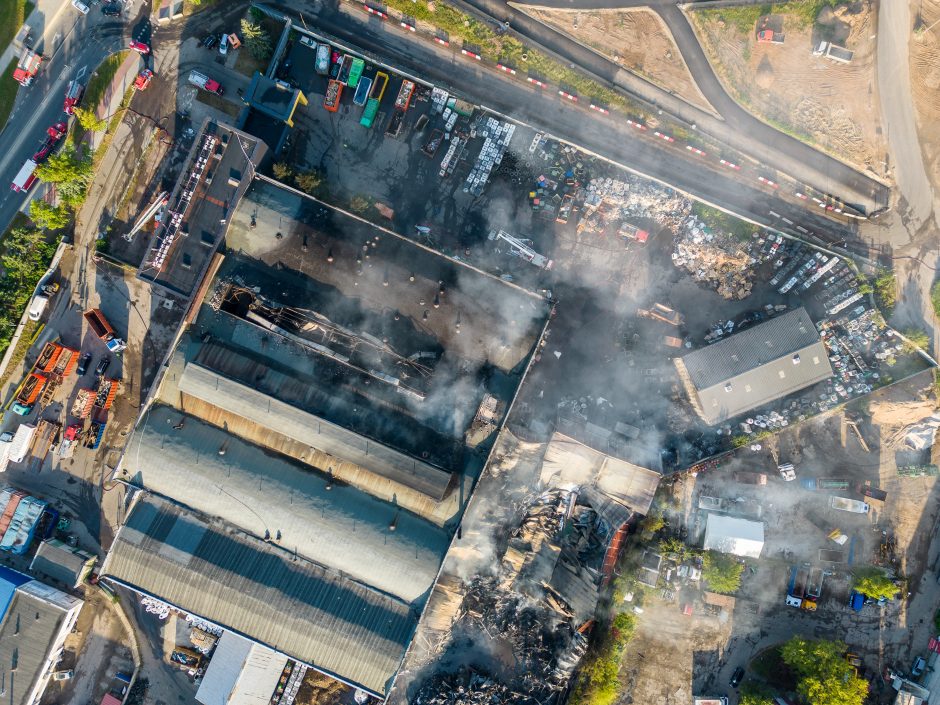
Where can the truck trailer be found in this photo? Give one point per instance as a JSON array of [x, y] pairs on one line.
[[845, 504], [362, 91], [101, 328], [334, 91]]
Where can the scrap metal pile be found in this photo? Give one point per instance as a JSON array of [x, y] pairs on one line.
[[715, 259], [536, 609]]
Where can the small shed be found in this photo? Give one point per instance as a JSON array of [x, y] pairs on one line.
[[59, 563], [740, 537]]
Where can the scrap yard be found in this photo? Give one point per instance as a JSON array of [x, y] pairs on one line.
[[432, 354]]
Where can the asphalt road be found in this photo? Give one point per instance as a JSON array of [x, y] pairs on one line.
[[85, 41], [603, 135], [738, 128]]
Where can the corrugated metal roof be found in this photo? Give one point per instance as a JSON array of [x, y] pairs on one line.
[[757, 366], [768, 341], [28, 632], [313, 430], [60, 562], [263, 592], [336, 525], [241, 672]]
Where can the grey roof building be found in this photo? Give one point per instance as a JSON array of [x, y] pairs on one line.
[[333, 524], [754, 367], [311, 613], [61, 563]]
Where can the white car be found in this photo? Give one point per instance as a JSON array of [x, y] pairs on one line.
[[62, 675], [223, 45], [787, 472], [80, 6]]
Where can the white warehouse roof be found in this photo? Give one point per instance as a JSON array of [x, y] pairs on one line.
[[741, 537]]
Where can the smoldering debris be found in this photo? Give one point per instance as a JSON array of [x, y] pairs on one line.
[[718, 260], [469, 687], [535, 611]]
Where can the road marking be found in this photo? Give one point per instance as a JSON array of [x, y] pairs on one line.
[[81, 73]]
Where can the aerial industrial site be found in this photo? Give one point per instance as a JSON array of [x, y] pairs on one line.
[[470, 352]]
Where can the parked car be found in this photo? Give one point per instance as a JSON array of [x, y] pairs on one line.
[[62, 675], [736, 677], [210, 40], [103, 365], [83, 364], [111, 9], [80, 6], [787, 472], [223, 45], [139, 47], [918, 668]]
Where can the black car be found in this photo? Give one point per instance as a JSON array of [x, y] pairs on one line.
[[210, 40], [83, 364], [111, 9], [736, 677], [103, 365]]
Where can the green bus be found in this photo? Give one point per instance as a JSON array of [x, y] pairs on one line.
[[355, 72], [368, 115]]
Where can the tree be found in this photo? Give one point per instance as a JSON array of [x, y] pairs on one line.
[[308, 181], [886, 290], [359, 204], [916, 338], [89, 120], [674, 548], [824, 677], [935, 298], [753, 693], [651, 524], [874, 583], [257, 40], [48, 217], [722, 572], [282, 171], [69, 173]]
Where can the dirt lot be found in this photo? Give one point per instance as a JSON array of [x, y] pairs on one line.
[[832, 105], [636, 39], [925, 80]]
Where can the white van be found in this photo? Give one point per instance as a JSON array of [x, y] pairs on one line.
[[37, 307]]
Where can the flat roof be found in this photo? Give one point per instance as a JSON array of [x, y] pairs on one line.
[[262, 591], [741, 537], [756, 366], [271, 97], [177, 455], [217, 172], [241, 672], [499, 323]]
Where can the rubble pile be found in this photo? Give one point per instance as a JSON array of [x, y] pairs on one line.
[[535, 611], [718, 260], [610, 204], [469, 688]]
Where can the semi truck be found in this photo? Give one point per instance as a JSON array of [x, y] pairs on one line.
[[22, 442], [825, 483], [73, 95], [27, 66], [796, 590], [323, 59], [101, 328], [200, 80], [25, 177], [362, 91], [28, 393], [845, 504], [334, 91]]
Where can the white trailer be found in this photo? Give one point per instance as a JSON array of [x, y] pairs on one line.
[[22, 442], [845, 504]]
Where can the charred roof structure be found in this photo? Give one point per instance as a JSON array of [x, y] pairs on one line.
[[308, 450], [755, 367]]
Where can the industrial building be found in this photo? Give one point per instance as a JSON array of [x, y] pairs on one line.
[[755, 367], [35, 619], [308, 451], [740, 537]]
